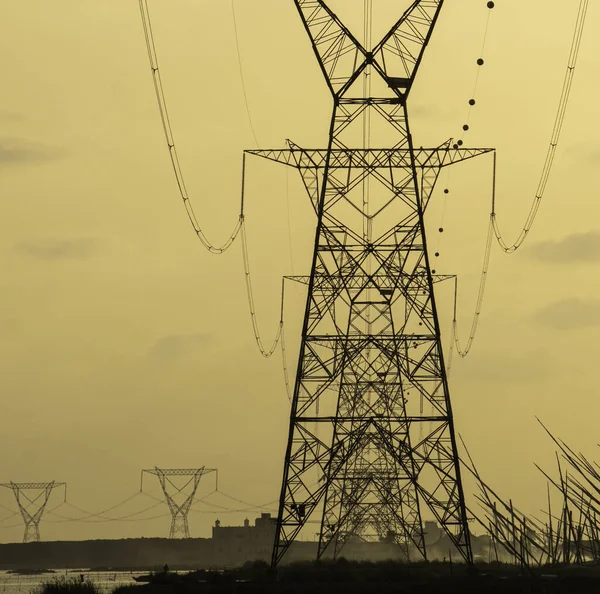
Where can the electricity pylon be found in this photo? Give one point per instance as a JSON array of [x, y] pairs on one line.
[[371, 444], [178, 501], [32, 508]]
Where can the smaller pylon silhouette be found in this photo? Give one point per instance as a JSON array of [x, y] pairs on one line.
[[177, 499], [32, 507]]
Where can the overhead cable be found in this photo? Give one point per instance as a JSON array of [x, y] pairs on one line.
[[250, 294], [464, 351], [168, 132], [558, 126], [493, 228], [242, 80]]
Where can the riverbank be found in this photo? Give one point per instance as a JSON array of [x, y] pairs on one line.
[[376, 578]]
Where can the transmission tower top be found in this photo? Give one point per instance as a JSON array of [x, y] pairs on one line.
[[32, 508], [179, 495]]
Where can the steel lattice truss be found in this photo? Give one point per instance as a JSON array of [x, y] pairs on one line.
[[32, 506], [371, 443], [178, 500]]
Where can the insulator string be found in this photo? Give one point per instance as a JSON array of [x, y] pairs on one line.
[[250, 295], [463, 352], [286, 375]]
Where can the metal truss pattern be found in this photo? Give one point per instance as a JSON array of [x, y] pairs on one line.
[[371, 445], [32, 507], [177, 499]]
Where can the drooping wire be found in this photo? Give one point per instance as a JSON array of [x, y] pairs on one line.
[[493, 228], [99, 519], [168, 133], [463, 352], [250, 294], [250, 505], [240, 225], [239, 57], [286, 375], [9, 516], [88, 514], [229, 510], [558, 125]]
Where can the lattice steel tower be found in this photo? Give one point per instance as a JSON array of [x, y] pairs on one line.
[[178, 500], [371, 446], [33, 506]]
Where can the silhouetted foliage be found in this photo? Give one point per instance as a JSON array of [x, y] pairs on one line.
[[67, 585], [389, 577]]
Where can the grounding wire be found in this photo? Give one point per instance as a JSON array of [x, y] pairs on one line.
[[242, 80], [556, 132], [168, 133]]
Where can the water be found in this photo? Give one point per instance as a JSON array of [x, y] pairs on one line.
[[107, 581]]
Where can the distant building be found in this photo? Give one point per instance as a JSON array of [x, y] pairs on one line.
[[432, 533], [251, 542]]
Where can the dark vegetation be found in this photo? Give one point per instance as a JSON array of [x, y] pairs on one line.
[[67, 585], [381, 578]]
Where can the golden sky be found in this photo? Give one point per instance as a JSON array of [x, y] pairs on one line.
[[125, 345]]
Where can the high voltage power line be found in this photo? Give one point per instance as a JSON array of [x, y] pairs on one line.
[[556, 131], [382, 283], [239, 228], [100, 517], [493, 226]]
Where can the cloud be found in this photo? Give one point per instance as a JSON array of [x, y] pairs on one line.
[[14, 151], [518, 366], [585, 151], [58, 249], [10, 116], [174, 346], [579, 247], [570, 314]]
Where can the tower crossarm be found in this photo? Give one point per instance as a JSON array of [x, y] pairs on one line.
[[359, 281], [425, 158], [179, 471], [32, 485]]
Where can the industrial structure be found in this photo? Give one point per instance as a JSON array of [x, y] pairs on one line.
[[32, 499], [178, 500], [371, 452], [371, 440]]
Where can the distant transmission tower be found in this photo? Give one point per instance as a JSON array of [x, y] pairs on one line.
[[32, 507], [177, 499], [371, 445]]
